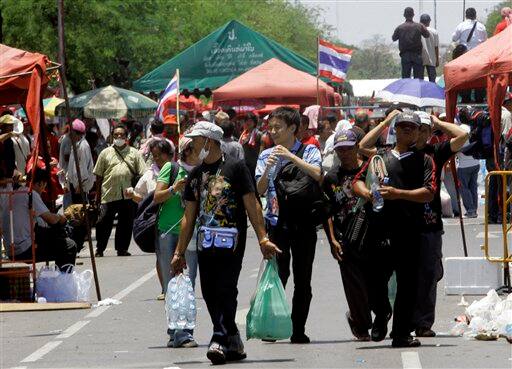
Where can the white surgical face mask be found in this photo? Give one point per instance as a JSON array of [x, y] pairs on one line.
[[203, 153], [119, 142]]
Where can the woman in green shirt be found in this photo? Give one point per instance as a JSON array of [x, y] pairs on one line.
[[169, 219]]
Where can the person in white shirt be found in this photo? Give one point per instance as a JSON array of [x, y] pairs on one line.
[[85, 163], [430, 52], [463, 31]]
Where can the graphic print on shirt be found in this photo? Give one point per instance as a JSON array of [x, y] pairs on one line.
[[344, 197], [218, 205]]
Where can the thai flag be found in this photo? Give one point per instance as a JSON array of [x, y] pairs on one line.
[[170, 91], [333, 61]]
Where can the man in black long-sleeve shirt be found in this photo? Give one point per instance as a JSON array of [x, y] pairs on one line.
[[409, 35]]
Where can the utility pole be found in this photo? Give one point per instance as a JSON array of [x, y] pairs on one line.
[[435, 14], [463, 9]]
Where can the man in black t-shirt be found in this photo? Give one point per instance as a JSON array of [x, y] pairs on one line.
[[218, 194], [410, 183], [430, 270], [408, 35], [337, 185]]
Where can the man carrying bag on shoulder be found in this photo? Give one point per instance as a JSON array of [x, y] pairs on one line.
[[289, 175]]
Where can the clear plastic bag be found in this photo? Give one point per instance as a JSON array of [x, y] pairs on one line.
[[180, 303], [66, 285]]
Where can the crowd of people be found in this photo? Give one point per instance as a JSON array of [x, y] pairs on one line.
[[372, 182]]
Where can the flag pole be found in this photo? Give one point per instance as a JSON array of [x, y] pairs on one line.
[[317, 70], [178, 100]]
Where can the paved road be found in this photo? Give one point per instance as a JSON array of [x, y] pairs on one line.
[[132, 335]]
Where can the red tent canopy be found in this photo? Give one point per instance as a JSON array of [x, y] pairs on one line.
[[489, 65], [275, 82], [186, 103], [22, 81]]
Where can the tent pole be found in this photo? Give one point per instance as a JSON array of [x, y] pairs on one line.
[[60, 4], [178, 103]]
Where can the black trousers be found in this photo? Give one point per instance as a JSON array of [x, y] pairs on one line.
[[495, 213], [52, 245], [430, 271], [412, 62], [125, 210], [219, 270], [298, 247], [431, 73], [354, 275], [404, 259]]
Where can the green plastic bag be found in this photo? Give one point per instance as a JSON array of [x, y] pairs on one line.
[[269, 316]]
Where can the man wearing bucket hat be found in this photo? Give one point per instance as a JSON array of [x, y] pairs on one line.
[[219, 194], [407, 182]]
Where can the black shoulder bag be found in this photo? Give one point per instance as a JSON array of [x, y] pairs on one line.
[[135, 175]]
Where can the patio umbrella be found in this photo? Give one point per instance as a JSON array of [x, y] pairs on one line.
[[413, 91], [50, 104], [109, 102]]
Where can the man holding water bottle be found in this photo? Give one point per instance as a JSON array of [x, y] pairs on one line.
[[411, 184]]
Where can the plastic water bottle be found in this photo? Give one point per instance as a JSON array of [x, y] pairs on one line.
[[378, 200], [180, 303]]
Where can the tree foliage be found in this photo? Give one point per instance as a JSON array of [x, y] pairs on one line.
[[374, 59], [114, 41], [494, 17]]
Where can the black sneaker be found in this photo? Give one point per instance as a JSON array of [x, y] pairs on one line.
[[98, 254], [216, 353], [170, 343], [380, 328], [361, 336], [235, 348], [405, 342], [299, 338], [425, 332], [123, 253]]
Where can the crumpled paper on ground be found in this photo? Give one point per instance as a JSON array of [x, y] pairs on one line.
[[108, 302]]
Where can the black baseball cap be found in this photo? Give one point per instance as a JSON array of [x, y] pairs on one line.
[[408, 117]]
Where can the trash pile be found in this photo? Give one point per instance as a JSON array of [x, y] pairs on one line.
[[487, 319]]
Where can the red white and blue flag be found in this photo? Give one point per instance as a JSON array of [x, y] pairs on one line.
[[170, 92], [333, 61]]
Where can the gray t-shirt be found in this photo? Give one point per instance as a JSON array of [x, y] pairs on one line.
[[21, 220], [232, 148]]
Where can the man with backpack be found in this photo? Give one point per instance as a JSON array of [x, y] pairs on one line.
[[288, 175]]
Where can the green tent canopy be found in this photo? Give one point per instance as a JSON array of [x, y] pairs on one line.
[[221, 56]]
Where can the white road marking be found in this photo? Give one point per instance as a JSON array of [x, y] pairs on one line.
[[73, 329], [80, 324], [19, 367], [491, 235], [122, 294], [172, 367], [36, 355], [253, 275], [240, 316], [411, 360]]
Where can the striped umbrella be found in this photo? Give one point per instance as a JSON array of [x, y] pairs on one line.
[[109, 102]]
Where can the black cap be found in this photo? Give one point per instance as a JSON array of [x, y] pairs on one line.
[[408, 117], [425, 18]]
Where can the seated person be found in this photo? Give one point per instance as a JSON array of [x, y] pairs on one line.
[[52, 242]]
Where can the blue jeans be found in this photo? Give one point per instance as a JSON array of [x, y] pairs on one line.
[[468, 178], [164, 250]]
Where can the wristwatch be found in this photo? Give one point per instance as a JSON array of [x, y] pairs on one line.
[[264, 241], [171, 190]]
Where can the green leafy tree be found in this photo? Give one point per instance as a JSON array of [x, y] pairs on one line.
[[114, 41], [374, 59], [494, 17]]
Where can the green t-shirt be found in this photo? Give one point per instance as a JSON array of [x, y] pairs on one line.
[[171, 211]]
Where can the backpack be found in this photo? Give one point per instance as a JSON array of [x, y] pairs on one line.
[[299, 196], [146, 217], [481, 137]]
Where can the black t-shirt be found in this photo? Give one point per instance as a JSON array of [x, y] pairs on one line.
[[219, 187], [409, 35], [441, 153], [7, 159], [337, 186], [406, 171]]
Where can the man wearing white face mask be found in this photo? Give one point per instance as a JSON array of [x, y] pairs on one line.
[[118, 168]]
